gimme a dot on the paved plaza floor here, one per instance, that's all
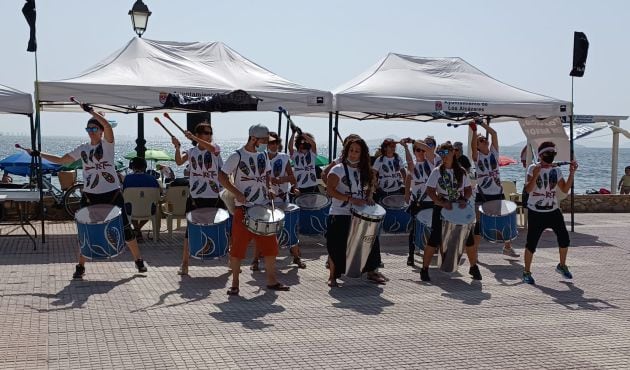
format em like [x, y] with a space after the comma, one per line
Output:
[116, 318]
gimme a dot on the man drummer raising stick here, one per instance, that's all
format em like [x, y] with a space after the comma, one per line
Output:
[251, 169]
[485, 155]
[102, 185]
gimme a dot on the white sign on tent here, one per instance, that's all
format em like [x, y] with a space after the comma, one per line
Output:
[550, 129]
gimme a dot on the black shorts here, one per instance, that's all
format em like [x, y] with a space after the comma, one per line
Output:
[195, 203]
[115, 198]
[309, 190]
[481, 199]
[436, 230]
[537, 222]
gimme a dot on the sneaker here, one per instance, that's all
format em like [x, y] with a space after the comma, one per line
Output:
[528, 278]
[410, 261]
[474, 271]
[183, 270]
[140, 265]
[510, 252]
[564, 271]
[79, 272]
[424, 274]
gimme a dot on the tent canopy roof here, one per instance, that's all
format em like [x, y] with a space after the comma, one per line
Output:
[135, 77]
[409, 87]
[15, 101]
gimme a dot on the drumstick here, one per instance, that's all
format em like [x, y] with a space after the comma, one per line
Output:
[273, 210]
[157, 120]
[338, 135]
[20, 146]
[175, 123]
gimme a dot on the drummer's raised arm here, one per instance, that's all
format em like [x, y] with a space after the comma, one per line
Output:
[408, 156]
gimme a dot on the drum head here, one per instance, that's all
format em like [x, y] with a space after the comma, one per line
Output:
[312, 201]
[425, 217]
[265, 214]
[287, 207]
[394, 201]
[498, 208]
[375, 211]
[459, 216]
[207, 216]
[97, 214]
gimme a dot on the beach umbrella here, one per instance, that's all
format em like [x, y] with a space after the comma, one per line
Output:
[152, 155]
[20, 164]
[321, 161]
[506, 161]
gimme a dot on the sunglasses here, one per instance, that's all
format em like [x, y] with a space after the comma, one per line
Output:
[442, 152]
[418, 150]
[205, 133]
[91, 129]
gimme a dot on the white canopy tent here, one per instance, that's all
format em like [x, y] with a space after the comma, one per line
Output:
[138, 77]
[15, 101]
[416, 88]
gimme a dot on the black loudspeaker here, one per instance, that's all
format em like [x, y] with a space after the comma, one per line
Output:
[580, 51]
[193, 119]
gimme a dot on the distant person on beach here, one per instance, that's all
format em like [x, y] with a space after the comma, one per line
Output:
[6, 179]
[544, 179]
[102, 185]
[166, 173]
[303, 151]
[624, 183]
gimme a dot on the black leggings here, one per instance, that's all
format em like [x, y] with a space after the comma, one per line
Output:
[337, 244]
[537, 222]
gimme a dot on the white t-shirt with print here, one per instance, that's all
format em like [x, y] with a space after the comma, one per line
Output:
[446, 185]
[204, 170]
[543, 197]
[389, 176]
[279, 165]
[250, 171]
[99, 168]
[487, 170]
[351, 186]
[304, 168]
[419, 176]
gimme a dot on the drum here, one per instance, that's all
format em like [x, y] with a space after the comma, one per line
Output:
[498, 221]
[313, 213]
[423, 228]
[288, 235]
[261, 220]
[208, 233]
[397, 220]
[364, 229]
[457, 224]
[101, 231]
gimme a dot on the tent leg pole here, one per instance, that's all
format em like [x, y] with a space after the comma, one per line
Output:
[336, 129]
[286, 135]
[330, 136]
[279, 124]
[614, 159]
[572, 156]
[140, 142]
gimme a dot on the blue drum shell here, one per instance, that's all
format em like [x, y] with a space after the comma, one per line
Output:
[100, 231]
[208, 233]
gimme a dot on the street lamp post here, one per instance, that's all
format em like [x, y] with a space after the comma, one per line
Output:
[139, 19]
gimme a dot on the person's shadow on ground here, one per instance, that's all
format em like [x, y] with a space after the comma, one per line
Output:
[362, 298]
[506, 275]
[191, 289]
[248, 312]
[76, 293]
[573, 299]
[468, 293]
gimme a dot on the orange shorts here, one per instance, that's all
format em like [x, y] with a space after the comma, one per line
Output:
[241, 236]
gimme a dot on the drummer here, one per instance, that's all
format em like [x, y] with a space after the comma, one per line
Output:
[389, 170]
[282, 184]
[485, 155]
[349, 183]
[448, 187]
[303, 151]
[205, 163]
[337, 160]
[102, 185]
[251, 186]
[419, 168]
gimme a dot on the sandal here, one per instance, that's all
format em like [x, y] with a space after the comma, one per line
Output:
[376, 278]
[299, 262]
[279, 287]
[333, 283]
[233, 291]
[254, 266]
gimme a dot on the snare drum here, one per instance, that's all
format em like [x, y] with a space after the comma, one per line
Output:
[208, 233]
[314, 210]
[288, 236]
[423, 228]
[364, 229]
[498, 221]
[397, 220]
[262, 220]
[457, 224]
[101, 231]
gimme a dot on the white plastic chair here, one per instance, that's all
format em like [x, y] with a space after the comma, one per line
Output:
[512, 194]
[174, 206]
[143, 204]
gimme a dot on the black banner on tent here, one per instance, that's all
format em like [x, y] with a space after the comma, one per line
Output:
[237, 100]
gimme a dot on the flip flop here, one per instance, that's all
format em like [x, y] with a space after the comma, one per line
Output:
[376, 278]
[278, 287]
[233, 291]
[299, 262]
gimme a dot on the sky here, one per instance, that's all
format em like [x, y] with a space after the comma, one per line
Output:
[324, 43]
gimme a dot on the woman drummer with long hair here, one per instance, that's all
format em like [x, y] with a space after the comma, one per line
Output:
[350, 183]
[448, 187]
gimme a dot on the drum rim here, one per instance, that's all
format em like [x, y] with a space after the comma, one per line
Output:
[328, 201]
[402, 206]
[472, 221]
[366, 217]
[99, 222]
[500, 201]
[189, 215]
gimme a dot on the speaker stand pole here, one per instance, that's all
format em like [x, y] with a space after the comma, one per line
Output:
[572, 157]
